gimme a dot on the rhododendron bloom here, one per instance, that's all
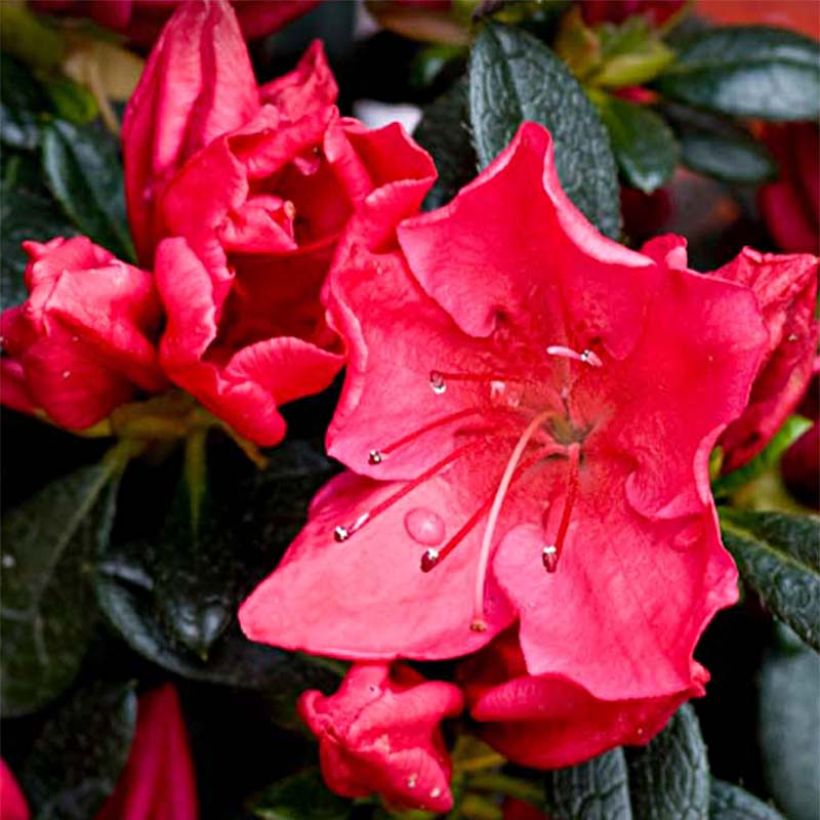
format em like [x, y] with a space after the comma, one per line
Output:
[786, 290]
[158, 780]
[84, 340]
[13, 804]
[540, 404]
[380, 734]
[548, 721]
[242, 267]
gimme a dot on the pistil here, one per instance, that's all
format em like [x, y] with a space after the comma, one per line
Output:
[552, 552]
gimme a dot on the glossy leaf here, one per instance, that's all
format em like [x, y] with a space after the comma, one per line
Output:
[514, 77]
[666, 780]
[80, 753]
[48, 607]
[444, 131]
[790, 731]
[83, 170]
[645, 147]
[751, 71]
[778, 556]
[22, 101]
[728, 802]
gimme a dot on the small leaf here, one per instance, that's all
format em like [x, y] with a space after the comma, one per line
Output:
[299, 796]
[71, 101]
[645, 147]
[48, 603]
[790, 731]
[728, 802]
[514, 77]
[174, 599]
[444, 131]
[83, 170]
[632, 54]
[80, 753]
[778, 556]
[666, 780]
[752, 71]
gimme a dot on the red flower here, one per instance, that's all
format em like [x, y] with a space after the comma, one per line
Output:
[13, 805]
[791, 205]
[380, 733]
[241, 271]
[83, 341]
[548, 721]
[616, 11]
[158, 780]
[528, 391]
[786, 291]
[141, 20]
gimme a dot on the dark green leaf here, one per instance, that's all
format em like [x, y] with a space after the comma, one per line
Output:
[299, 796]
[666, 780]
[83, 170]
[514, 77]
[728, 802]
[751, 71]
[444, 131]
[22, 102]
[48, 601]
[77, 759]
[778, 556]
[790, 732]
[173, 599]
[645, 147]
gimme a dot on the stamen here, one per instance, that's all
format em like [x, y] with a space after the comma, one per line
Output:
[478, 623]
[586, 357]
[552, 552]
[343, 532]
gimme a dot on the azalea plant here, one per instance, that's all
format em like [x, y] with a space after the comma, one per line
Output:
[410, 409]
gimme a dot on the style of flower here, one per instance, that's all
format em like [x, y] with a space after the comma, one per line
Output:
[548, 721]
[158, 780]
[380, 734]
[84, 341]
[240, 264]
[522, 395]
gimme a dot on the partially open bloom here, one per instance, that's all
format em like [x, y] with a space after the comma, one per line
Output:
[240, 264]
[530, 408]
[13, 804]
[141, 20]
[84, 341]
[380, 734]
[158, 780]
[548, 721]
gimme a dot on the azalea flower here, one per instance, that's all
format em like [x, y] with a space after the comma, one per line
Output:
[530, 409]
[380, 734]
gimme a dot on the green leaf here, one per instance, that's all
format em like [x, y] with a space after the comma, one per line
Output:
[778, 556]
[83, 170]
[444, 131]
[790, 732]
[768, 459]
[22, 102]
[632, 54]
[666, 780]
[71, 101]
[730, 155]
[80, 753]
[299, 796]
[645, 147]
[728, 802]
[514, 77]
[173, 598]
[751, 71]
[48, 607]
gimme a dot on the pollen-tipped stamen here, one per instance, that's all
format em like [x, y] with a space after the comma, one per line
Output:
[552, 552]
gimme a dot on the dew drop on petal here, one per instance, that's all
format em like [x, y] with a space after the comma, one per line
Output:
[437, 383]
[412, 781]
[424, 526]
[375, 457]
[436, 792]
[66, 373]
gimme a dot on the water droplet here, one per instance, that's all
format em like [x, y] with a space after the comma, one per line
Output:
[375, 457]
[429, 559]
[549, 557]
[505, 393]
[341, 534]
[424, 526]
[436, 792]
[437, 383]
[66, 374]
[687, 537]
[412, 781]
[8, 561]
[792, 337]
